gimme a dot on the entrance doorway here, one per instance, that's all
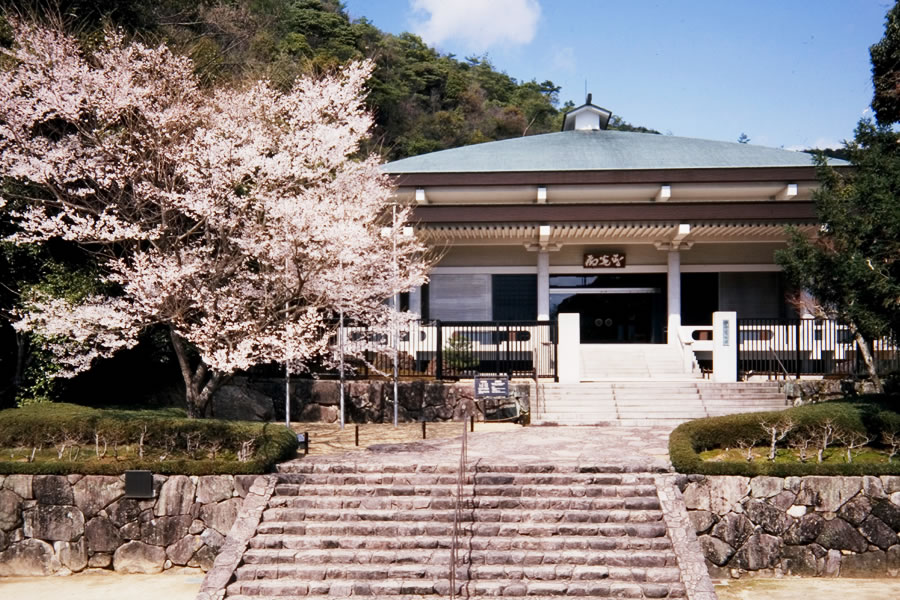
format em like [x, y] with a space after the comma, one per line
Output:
[614, 309]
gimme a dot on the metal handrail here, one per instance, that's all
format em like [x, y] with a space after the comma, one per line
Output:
[457, 514]
[780, 364]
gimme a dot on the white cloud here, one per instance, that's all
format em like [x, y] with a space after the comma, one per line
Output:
[563, 60]
[478, 24]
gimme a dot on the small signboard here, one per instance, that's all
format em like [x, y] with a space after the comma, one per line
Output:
[491, 387]
[138, 484]
[614, 260]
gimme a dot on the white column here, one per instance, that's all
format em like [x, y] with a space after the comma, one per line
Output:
[569, 349]
[674, 296]
[543, 285]
[725, 341]
[415, 300]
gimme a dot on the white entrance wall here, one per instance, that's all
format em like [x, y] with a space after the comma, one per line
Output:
[568, 352]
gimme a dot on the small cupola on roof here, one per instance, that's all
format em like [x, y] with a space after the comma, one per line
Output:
[588, 117]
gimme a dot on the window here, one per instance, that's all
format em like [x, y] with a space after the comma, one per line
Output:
[514, 297]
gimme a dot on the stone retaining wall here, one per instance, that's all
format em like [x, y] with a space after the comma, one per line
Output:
[813, 391]
[809, 526]
[262, 399]
[61, 524]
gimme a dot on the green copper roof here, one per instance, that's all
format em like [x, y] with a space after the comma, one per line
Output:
[599, 150]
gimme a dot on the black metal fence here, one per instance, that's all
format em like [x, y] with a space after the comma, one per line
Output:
[457, 349]
[795, 347]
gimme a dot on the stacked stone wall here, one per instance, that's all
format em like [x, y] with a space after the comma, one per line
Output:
[55, 524]
[806, 526]
[262, 399]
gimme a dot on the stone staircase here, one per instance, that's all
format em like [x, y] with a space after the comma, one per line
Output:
[334, 530]
[650, 402]
[623, 362]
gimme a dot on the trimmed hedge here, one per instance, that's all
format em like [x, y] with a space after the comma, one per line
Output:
[868, 416]
[43, 425]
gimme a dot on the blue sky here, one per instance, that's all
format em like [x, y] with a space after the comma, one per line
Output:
[791, 73]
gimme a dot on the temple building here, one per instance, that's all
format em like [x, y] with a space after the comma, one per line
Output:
[640, 234]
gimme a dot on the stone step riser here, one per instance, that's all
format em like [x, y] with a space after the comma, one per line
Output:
[477, 503]
[432, 529]
[479, 479]
[292, 515]
[647, 558]
[480, 467]
[669, 423]
[572, 490]
[498, 543]
[466, 589]
[480, 574]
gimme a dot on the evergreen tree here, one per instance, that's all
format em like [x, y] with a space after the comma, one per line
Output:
[852, 267]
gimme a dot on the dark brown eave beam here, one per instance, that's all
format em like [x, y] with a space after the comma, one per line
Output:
[660, 176]
[778, 211]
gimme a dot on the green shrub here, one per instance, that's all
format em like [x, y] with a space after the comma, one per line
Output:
[171, 443]
[868, 416]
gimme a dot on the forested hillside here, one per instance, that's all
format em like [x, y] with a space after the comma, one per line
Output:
[423, 100]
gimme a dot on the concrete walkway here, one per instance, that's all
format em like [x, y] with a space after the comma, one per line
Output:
[633, 447]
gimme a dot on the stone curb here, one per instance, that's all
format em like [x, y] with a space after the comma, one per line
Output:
[229, 557]
[691, 561]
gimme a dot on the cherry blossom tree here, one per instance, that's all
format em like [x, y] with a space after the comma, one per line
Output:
[241, 219]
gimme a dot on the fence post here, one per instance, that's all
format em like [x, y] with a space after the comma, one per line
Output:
[554, 333]
[798, 354]
[439, 353]
[497, 343]
[509, 342]
[737, 351]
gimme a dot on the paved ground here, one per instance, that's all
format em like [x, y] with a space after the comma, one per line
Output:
[329, 438]
[818, 588]
[104, 585]
[611, 445]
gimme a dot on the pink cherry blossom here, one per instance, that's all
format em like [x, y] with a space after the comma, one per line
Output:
[239, 218]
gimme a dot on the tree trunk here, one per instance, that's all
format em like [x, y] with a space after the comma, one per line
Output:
[199, 383]
[868, 359]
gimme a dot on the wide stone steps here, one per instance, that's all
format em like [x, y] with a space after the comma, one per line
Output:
[572, 490]
[416, 590]
[433, 572]
[442, 516]
[437, 529]
[504, 543]
[654, 402]
[477, 503]
[612, 558]
[387, 531]
[405, 480]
